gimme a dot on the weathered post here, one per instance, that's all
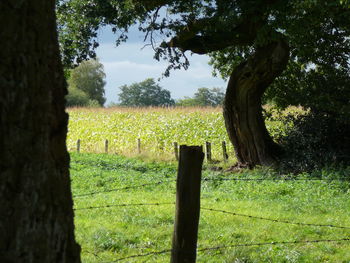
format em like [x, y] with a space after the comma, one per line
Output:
[224, 151]
[139, 145]
[176, 151]
[185, 235]
[106, 146]
[208, 151]
[78, 145]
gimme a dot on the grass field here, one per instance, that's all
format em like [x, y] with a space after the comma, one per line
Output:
[157, 128]
[107, 234]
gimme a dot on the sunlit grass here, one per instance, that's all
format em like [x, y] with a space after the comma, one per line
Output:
[107, 234]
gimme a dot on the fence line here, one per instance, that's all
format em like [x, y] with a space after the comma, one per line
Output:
[175, 144]
[203, 179]
[122, 188]
[237, 245]
[122, 205]
[220, 211]
[277, 179]
[274, 243]
[141, 255]
[228, 246]
[273, 220]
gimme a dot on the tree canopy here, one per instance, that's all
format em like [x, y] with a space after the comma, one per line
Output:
[145, 93]
[86, 84]
[316, 30]
[257, 44]
[319, 67]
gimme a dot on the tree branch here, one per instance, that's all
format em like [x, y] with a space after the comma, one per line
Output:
[200, 37]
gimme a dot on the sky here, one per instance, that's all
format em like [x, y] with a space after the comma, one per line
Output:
[130, 63]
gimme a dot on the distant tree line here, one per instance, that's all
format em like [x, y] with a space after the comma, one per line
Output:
[204, 97]
[86, 89]
[149, 93]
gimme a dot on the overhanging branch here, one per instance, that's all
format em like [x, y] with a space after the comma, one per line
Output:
[202, 37]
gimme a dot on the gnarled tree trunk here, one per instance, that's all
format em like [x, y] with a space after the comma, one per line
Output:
[36, 214]
[242, 105]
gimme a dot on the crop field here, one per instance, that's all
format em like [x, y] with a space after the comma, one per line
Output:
[124, 212]
[157, 128]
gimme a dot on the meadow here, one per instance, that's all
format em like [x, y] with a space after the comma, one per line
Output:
[157, 128]
[124, 207]
[124, 211]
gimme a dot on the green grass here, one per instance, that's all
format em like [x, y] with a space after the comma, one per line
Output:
[107, 234]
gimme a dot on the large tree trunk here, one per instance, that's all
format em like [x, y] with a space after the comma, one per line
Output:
[36, 215]
[242, 105]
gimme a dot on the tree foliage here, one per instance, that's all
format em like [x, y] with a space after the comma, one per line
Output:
[204, 97]
[319, 67]
[145, 93]
[86, 84]
[76, 97]
[252, 42]
[322, 89]
[317, 32]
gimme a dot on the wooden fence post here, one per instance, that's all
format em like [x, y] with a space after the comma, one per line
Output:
[184, 245]
[139, 145]
[224, 151]
[106, 146]
[208, 151]
[78, 145]
[176, 151]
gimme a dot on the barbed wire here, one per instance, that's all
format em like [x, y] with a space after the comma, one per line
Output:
[141, 255]
[273, 243]
[122, 205]
[122, 188]
[233, 246]
[220, 211]
[204, 179]
[274, 220]
[276, 179]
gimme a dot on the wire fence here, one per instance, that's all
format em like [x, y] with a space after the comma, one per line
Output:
[291, 179]
[273, 243]
[227, 246]
[121, 205]
[210, 180]
[218, 211]
[122, 188]
[274, 220]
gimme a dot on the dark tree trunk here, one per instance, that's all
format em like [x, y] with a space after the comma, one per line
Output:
[36, 215]
[242, 105]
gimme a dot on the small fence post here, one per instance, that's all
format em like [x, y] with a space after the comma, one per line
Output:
[176, 151]
[106, 146]
[184, 245]
[78, 145]
[139, 145]
[224, 151]
[208, 151]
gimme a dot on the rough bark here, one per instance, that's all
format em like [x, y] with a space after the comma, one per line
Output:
[242, 105]
[36, 215]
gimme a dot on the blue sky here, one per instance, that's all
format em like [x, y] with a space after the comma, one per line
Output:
[127, 64]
